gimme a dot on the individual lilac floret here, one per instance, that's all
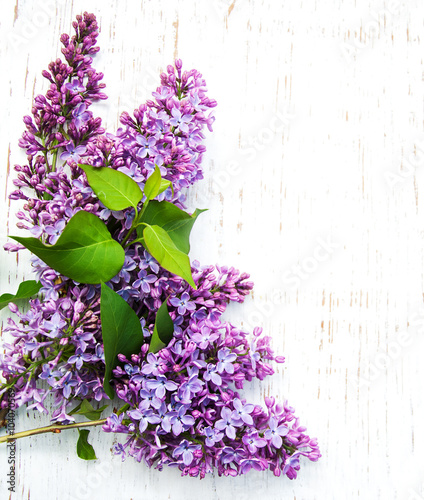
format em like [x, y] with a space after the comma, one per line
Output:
[228, 423]
[225, 360]
[183, 303]
[185, 449]
[81, 115]
[243, 411]
[276, 432]
[73, 152]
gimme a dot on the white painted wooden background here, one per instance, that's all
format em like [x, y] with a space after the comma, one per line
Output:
[316, 142]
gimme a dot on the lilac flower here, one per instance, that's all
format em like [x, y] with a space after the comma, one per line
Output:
[144, 417]
[179, 420]
[49, 375]
[114, 423]
[183, 303]
[147, 146]
[228, 423]
[150, 396]
[79, 358]
[162, 95]
[211, 374]
[226, 359]
[133, 171]
[73, 152]
[34, 347]
[243, 411]
[276, 432]
[149, 261]
[81, 115]
[153, 365]
[124, 273]
[179, 120]
[254, 354]
[253, 442]
[144, 280]
[160, 385]
[75, 86]
[212, 436]
[290, 464]
[66, 383]
[186, 450]
[249, 463]
[55, 231]
[38, 404]
[165, 417]
[229, 455]
[190, 387]
[54, 325]
[205, 337]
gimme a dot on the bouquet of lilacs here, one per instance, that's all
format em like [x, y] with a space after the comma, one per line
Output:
[120, 312]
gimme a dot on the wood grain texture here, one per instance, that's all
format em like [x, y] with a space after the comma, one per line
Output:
[314, 180]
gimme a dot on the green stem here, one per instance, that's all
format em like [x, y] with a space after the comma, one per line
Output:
[57, 429]
[135, 222]
[54, 160]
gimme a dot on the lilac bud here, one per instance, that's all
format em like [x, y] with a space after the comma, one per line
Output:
[13, 307]
[279, 408]
[135, 358]
[226, 397]
[257, 410]
[269, 401]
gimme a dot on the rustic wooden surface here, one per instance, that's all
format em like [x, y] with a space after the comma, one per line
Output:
[315, 185]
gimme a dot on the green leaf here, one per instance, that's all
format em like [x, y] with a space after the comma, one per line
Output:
[26, 290]
[84, 448]
[153, 184]
[164, 329]
[121, 331]
[85, 408]
[164, 185]
[164, 250]
[85, 251]
[114, 189]
[176, 222]
[179, 230]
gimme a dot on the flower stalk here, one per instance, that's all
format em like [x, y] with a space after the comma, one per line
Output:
[56, 429]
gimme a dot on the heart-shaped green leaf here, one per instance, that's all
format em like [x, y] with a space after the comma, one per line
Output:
[25, 290]
[164, 250]
[179, 230]
[177, 223]
[84, 448]
[85, 251]
[114, 189]
[121, 331]
[163, 331]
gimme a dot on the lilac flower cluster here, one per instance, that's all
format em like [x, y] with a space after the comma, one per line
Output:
[59, 342]
[184, 408]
